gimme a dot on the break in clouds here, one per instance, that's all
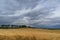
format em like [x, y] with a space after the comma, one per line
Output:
[37, 13]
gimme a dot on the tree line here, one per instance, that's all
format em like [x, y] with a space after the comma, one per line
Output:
[13, 26]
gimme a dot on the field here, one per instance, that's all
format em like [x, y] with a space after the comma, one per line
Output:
[29, 34]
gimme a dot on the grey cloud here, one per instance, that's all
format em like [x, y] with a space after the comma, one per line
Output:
[29, 12]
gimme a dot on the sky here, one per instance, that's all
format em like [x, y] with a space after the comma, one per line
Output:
[36, 13]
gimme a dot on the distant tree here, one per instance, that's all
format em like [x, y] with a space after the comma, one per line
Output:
[24, 26]
[16, 26]
[2, 26]
[13, 26]
[29, 27]
[20, 26]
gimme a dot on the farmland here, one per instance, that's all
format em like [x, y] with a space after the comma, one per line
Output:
[29, 34]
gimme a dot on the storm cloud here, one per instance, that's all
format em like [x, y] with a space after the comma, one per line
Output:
[42, 13]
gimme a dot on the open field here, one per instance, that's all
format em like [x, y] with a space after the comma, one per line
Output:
[29, 34]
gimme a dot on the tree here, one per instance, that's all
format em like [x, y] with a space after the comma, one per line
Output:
[29, 27]
[24, 26]
[13, 26]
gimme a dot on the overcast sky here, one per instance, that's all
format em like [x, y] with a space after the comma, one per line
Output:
[42, 13]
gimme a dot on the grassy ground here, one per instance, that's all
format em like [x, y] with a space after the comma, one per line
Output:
[29, 34]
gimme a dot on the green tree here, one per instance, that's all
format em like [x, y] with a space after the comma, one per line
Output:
[24, 26]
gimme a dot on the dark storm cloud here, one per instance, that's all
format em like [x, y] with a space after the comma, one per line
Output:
[30, 12]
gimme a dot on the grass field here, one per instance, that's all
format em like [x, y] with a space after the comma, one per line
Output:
[29, 34]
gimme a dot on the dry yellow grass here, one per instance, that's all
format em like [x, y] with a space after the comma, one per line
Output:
[29, 34]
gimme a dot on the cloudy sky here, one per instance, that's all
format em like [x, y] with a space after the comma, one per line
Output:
[38, 13]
